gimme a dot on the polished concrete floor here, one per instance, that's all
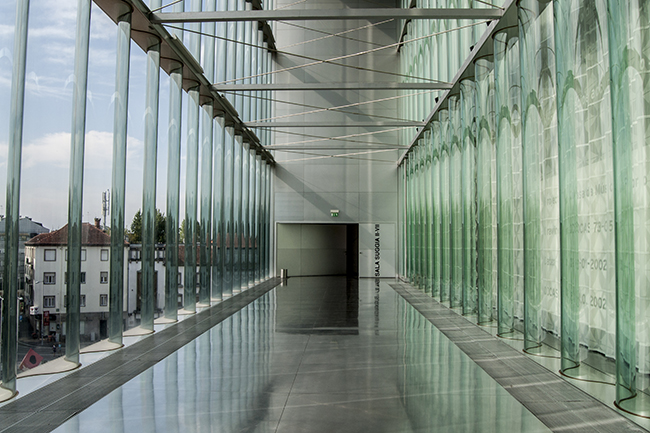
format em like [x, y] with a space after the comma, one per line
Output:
[313, 355]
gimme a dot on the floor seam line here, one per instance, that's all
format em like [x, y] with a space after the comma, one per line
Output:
[293, 382]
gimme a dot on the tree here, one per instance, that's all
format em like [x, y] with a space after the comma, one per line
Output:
[182, 229]
[135, 232]
[160, 233]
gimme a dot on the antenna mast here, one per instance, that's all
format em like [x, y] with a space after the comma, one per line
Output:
[106, 199]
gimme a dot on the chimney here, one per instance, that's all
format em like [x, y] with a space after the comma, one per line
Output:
[97, 221]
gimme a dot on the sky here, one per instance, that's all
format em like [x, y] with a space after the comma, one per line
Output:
[48, 115]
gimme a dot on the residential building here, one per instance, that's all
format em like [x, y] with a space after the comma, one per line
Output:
[134, 287]
[46, 264]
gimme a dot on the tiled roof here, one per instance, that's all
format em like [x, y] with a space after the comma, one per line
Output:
[90, 236]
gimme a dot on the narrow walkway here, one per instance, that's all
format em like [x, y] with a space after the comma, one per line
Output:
[555, 401]
[47, 408]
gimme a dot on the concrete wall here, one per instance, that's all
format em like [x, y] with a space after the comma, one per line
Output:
[362, 187]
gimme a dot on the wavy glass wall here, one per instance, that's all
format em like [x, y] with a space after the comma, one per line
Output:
[534, 204]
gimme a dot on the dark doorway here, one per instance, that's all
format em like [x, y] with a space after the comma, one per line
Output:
[318, 249]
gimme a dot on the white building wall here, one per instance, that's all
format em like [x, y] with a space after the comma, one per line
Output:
[93, 288]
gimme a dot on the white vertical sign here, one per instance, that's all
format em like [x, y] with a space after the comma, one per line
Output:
[376, 250]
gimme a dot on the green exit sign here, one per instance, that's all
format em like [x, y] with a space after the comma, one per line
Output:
[334, 212]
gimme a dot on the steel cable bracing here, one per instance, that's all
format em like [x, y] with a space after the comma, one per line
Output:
[490, 4]
[302, 134]
[354, 104]
[316, 108]
[335, 109]
[167, 5]
[341, 155]
[290, 4]
[316, 61]
[360, 134]
[331, 35]
[333, 60]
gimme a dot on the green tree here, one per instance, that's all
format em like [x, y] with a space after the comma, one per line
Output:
[161, 237]
[134, 233]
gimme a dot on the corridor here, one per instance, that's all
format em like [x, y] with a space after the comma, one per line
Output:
[313, 355]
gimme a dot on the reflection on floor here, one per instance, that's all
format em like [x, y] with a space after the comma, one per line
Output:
[314, 355]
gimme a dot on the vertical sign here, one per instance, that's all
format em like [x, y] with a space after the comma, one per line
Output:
[376, 250]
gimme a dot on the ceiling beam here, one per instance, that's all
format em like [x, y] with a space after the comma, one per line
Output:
[342, 124]
[327, 14]
[331, 86]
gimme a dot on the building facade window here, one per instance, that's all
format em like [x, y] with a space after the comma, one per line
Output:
[103, 300]
[103, 255]
[49, 255]
[82, 301]
[103, 277]
[49, 301]
[49, 277]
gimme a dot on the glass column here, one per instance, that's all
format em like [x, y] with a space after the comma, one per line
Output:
[630, 73]
[417, 220]
[229, 143]
[437, 208]
[428, 219]
[173, 191]
[258, 214]
[506, 60]
[207, 142]
[218, 246]
[588, 278]
[237, 213]
[267, 222]
[75, 194]
[409, 219]
[191, 199]
[468, 119]
[204, 238]
[539, 138]
[445, 206]
[9, 338]
[484, 72]
[455, 199]
[261, 237]
[192, 172]
[245, 230]
[250, 239]
[116, 281]
[148, 300]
